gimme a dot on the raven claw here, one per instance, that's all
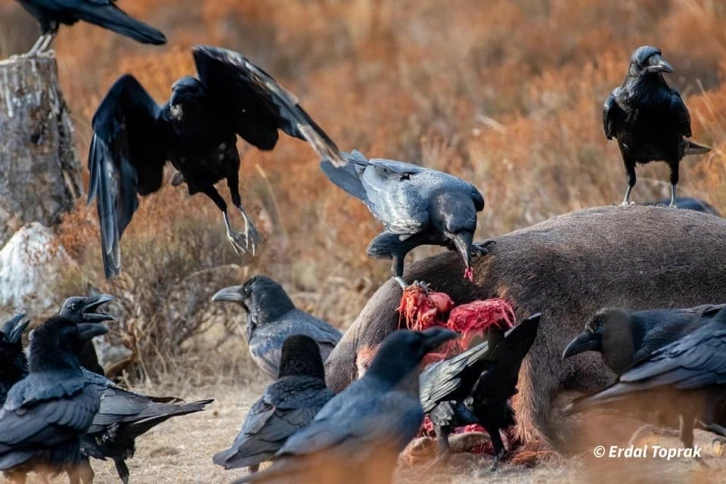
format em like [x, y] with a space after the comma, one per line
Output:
[478, 250]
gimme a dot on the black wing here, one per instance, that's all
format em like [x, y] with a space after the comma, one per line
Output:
[126, 158]
[257, 105]
[682, 116]
[609, 113]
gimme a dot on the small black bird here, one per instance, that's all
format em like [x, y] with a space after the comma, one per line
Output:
[285, 407]
[685, 379]
[197, 131]
[104, 13]
[82, 309]
[272, 318]
[358, 435]
[13, 362]
[123, 416]
[46, 414]
[649, 119]
[417, 206]
[623, 337]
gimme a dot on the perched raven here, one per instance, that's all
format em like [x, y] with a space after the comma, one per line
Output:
[46, 413]
[13, 362]
[285, 407]
[82, 309]
[358, 434]
[685, 379]
[417, 206]
[690, 203]
[123, 416]
[272, 318]
[623, 337]
[649, 119]
[104, 13]
[197, 131]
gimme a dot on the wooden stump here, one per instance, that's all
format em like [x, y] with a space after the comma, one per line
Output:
[40, 177]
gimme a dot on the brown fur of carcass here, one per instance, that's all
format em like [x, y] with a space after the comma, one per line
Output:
[566, 268]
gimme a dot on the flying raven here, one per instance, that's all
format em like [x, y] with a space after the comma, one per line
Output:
[13, 362]
[417, 206]
[46, 413]
[197, 131]
[286, 406]
[649, 119]
[272, 318]
[82, 309]
[104, 13]
[358, 435]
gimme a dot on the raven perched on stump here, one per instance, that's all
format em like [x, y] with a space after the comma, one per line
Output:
[104, 13]
[649, 119]
[197, 131]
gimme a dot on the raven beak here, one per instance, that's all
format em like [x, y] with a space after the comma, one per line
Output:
[19, 324]
[587, 341]
[434, 337]
[88, 331]
[656, 63]
[463, 241]
[233, 293]
[93, 303]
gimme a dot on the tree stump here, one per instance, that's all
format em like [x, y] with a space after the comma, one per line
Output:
[40, 177]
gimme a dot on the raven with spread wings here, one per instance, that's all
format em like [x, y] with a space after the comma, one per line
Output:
[196, 130]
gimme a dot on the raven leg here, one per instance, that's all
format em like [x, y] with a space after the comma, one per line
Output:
[122, 469]
[236, 239]
[48, 38]
[252, 235]
[674, 182]
[498, 446]
[630, 174]
[686, 435]
[479, 250]
[34, 50]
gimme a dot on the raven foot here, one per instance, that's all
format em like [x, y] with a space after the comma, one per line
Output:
[252, 235]
[627, 203]
[497, 458]
[478, 250]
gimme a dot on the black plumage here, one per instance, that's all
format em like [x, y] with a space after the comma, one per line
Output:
[272, 318]
[104, 13]
[649, 119]
[417, 206]
[357, 436]
[46, 413]
[286, 406]
[13, 362]
[196, 130]
[123, 416]
[684, 380]
[622, 337]
[82, 309]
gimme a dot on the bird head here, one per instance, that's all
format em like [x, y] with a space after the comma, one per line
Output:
[183, 91]
[401, 352]
[13, 363]
[456, 212]
[604, 333]
[82, 309]
[56, 343]
[300, 355]
[648, 60]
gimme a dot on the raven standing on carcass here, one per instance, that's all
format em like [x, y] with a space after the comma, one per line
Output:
[417, 205]
[197, 131]
[649, 119]
[104, 13]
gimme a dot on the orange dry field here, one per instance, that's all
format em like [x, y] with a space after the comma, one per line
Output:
[504, 93]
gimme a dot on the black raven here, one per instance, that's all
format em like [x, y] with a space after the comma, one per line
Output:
[685, 379]
[197, 131]
[690, 203]
[123, 416]
[358, 434]
[649, 119]
[46, 413]
[285, 407]
[13, 362]
[417, 206]
[623, 337]
[82, 309]
[104, 13]
[272, 318]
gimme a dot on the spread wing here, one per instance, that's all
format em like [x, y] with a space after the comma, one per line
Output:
[256, 104]
[609, 114]
[442, 378]
[127, 156]
[387, 189]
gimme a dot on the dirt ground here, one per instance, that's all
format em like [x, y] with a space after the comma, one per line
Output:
[180, 451]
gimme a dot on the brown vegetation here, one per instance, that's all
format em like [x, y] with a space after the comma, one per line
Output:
[504, 93]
